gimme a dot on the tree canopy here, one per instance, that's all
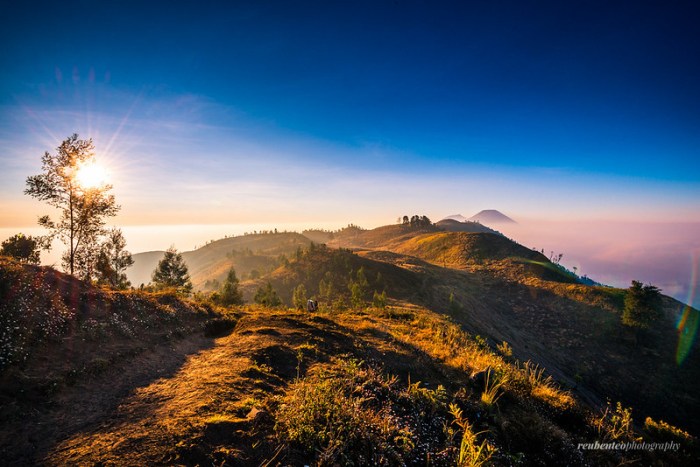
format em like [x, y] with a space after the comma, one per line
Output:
[172, 272]
[82, 208]
[416, 221]
[113, 260]
[24, 248]
[266, 295]
[230, 293]
[642, 305]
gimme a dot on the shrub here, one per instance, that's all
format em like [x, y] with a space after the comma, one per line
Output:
[505, 349]
[616, 425]
[323, 417]
[662, 431]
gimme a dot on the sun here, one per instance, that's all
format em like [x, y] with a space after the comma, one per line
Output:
[91, 175]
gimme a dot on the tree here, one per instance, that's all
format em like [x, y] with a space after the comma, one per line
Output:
[379, 299]
[85, 261]
[325, 286]
[358, 288]
[299, 297]
[642, 305]
[267, 296]
[24, 248]
[171, 272]
[113, 260]
[230, 293]
[83, 209]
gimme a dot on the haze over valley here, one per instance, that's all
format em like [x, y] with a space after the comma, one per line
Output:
[349, 233]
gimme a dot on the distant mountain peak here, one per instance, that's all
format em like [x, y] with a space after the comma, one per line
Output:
[492, 216]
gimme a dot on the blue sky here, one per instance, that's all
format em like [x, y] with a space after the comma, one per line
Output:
[360, 111]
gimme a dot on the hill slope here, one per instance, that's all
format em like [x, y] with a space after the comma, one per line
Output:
[255, 253]
[452, 225]
[507, 292]
[395, 386]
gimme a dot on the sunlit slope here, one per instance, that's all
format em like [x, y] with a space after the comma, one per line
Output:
[337, 268]
[452, 225]
[149, 379]
[384, 237]
[507, 292]
[247, 253]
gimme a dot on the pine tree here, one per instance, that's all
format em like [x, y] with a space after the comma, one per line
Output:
[325, 287]
[267, 296]
[358, 288]
[171, 272]
[379, 299]
[230, 293]
[642, 305]
[299, 297]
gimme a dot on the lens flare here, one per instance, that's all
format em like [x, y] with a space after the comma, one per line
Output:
[690, 319]
[91, 175]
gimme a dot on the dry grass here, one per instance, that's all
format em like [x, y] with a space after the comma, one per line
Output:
[274, 390]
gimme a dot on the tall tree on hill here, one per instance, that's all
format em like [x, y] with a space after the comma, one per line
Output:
[642, 305]
[24, 248]
[171, 272]
[82, 208]
[230, 293]
[113, 260]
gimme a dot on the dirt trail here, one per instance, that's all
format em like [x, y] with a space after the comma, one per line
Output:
[85, 403]
[184, 417]
[156, 415]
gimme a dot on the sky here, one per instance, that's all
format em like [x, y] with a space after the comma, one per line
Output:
[325, 113]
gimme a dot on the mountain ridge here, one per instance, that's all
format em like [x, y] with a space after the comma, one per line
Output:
[491, 216]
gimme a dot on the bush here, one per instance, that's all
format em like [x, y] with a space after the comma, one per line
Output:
[323, 418]
[23, 248]
[352, 414]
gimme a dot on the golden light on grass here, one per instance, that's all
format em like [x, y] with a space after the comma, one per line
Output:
[92, 175]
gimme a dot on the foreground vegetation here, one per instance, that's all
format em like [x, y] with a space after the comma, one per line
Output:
[97, 376]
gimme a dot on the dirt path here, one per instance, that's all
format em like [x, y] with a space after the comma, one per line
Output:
[198, 403]
[84, 404]
[204, 403]
[157, 414]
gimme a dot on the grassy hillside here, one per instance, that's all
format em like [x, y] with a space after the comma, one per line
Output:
[401, 385]
[60, 337]
[452, 225]
[506, 292]
[382, 237]
[255, 253]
